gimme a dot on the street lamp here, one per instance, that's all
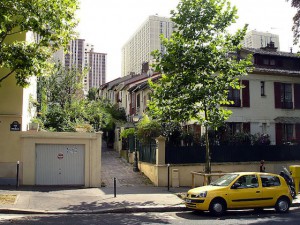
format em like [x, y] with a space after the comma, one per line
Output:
[135, 119]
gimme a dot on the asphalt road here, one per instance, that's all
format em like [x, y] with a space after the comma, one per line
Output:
[266, 217]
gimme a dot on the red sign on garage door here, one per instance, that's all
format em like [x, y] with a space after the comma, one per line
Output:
[60, 155]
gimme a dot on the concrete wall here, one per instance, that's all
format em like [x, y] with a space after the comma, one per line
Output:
[91, 141]
[180, 174]
[158, 174]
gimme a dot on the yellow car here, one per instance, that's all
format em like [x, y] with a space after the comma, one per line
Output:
[241, 191]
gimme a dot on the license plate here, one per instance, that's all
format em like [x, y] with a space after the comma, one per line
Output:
[188, 200]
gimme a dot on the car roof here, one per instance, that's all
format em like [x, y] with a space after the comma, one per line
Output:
[251, 173]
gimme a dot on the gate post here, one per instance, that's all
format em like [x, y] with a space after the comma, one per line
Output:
[160, 150]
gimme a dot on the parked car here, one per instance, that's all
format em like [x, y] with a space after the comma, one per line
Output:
[241, 191]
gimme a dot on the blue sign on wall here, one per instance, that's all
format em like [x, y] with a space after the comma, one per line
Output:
[15, 126]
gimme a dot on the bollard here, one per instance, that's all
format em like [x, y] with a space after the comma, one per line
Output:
[115, 187]
[17, 178]
[168, 177]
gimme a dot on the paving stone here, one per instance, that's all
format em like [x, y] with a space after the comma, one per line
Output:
[113, 165]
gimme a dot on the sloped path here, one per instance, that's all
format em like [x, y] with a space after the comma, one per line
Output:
[113, 165]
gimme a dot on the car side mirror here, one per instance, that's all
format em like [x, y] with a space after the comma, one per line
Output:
[235, 185]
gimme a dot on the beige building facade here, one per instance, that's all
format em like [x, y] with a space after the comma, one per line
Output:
[137, 50]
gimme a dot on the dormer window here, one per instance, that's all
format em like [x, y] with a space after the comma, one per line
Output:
[269, 62]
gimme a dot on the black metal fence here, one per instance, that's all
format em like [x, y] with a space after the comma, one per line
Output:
[196, 154]
[147, 152]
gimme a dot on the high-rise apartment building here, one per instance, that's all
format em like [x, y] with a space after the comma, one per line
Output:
[97, 68]
[257, 39]
[137, 50]
[81, 55]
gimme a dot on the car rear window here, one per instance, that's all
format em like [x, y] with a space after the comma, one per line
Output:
[270, 181]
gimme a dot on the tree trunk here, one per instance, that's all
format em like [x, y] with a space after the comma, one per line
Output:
[207, 156]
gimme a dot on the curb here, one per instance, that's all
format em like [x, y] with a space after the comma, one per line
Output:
[133, 209]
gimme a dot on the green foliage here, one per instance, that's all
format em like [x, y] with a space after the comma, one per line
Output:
[93, 94]
[296, 20]
[52, 20]
[64, 108]
[127, 132]
[148, 129]
[199, 66]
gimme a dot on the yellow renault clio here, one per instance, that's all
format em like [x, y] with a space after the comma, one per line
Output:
[241, 191]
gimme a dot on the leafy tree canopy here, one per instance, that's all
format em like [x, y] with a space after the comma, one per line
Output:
[52, 21]
[296, 19]
[198, 67]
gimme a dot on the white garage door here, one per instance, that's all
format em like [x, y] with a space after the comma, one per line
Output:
[59, 164]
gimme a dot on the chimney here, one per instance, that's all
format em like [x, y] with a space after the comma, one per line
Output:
[270, 47]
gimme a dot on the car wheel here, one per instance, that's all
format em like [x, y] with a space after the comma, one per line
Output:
[217, 207]
[282, 205]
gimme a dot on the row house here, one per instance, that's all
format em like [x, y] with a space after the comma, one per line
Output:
[129, 92]
[269, 103]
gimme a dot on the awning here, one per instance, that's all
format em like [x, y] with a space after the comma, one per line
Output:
[283, 119]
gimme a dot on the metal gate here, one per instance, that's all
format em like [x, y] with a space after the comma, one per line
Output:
[59, 164]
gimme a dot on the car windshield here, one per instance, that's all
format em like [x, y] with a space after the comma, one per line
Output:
[224, 180]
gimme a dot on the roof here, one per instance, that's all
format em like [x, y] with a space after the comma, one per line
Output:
[273, 53]
[258, 69]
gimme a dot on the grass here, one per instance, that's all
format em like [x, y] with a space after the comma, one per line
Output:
[7, 199]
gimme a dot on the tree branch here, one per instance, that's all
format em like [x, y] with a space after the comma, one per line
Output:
[6, 76]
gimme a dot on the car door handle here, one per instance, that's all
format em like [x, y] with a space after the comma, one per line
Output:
[257, 191]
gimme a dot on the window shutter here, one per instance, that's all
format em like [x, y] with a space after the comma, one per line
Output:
[246, 94]
[278, 129]
[297, 96]
[297, 132]
[277, 94]
[246, 127]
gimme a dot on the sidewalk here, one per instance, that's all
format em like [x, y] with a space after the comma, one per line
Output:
[42, 200]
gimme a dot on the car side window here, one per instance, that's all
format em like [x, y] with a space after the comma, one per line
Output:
[247, 181]
[270, 181]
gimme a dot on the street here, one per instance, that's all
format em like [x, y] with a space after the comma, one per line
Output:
[265, 217]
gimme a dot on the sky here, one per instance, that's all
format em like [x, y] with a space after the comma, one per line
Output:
[108, 24]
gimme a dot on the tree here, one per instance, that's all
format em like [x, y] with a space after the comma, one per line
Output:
[52, 21]
[93, 93]
[199, 66]
[296, 19]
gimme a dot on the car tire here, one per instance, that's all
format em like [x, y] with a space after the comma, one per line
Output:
[217, 207]
[282, 205]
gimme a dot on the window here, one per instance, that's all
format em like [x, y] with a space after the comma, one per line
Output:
[247, 181]
[288, 131]
[234, 128]
[234, 95]
[138, 100]
[286, 96]
[262, 88]
[269, 181]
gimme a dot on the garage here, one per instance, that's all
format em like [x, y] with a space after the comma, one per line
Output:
[60, 164]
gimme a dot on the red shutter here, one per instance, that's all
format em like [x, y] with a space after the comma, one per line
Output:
[297, 96]
[277, 94]
[246, 127]
[246, 94]
[278, 127]
[297, 132]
